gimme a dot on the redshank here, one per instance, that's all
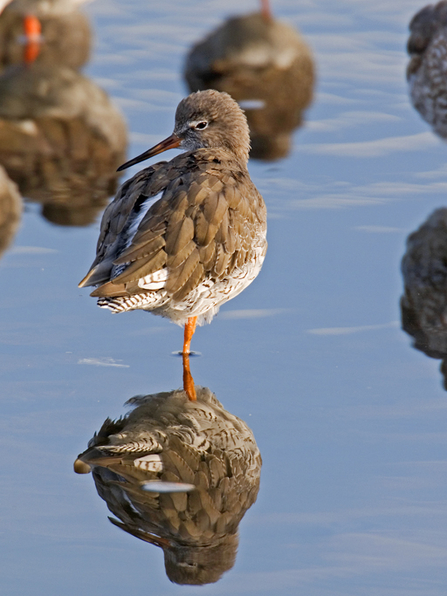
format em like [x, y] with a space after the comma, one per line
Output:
[183, 237]
[427, 69]
[61, 140]
[266, 66]
[50, 31]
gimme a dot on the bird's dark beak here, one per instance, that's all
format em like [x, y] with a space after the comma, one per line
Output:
[170, 143]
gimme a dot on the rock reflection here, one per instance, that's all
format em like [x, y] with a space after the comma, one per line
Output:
[267, 67]
[10, 210]
[211, 457]
[61, 138]
[427, 69]
[424, 303]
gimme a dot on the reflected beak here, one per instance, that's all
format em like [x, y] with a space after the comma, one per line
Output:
[170, 143]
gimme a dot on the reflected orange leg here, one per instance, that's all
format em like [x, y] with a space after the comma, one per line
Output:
[265, 10]
[188, 381]
[190, 327]
[31, 51]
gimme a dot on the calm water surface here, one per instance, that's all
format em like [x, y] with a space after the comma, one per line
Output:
[349, 418]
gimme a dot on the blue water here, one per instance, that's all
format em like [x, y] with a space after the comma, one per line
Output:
[350, 419]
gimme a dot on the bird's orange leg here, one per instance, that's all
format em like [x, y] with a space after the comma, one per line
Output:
[265, 10]
[188, 381]
[32, 30]
[190, 327]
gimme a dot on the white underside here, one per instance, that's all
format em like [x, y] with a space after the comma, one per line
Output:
[203, 302]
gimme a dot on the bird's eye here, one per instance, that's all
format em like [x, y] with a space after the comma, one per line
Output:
[201, 125]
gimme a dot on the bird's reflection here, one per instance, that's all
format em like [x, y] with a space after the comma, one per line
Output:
[424, 302]
[427, 69]
[267, 67]
[10, 210]
[178, 474]
[61, 138]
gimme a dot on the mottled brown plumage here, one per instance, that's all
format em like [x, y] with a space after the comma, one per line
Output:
[183, 237]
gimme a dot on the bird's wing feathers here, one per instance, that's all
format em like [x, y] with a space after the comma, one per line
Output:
[196, 230]
[116, 217]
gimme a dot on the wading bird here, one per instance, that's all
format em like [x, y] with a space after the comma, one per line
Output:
[183, 237]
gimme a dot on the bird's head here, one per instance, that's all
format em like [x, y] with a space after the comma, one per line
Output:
[205, 119]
